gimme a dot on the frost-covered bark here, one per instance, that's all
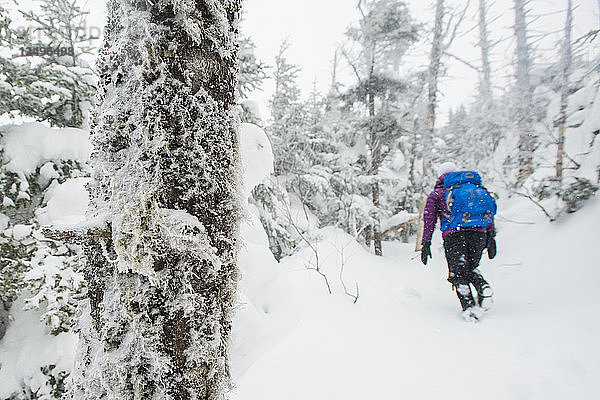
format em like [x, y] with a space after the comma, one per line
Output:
[161, 257]
[564, 92]
[524, 102]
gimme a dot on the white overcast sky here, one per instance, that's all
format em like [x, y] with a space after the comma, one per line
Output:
[316, 27]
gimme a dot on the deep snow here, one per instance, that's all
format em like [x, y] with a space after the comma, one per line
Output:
[404, 337]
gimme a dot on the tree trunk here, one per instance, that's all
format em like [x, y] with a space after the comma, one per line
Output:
[435, 60]
[375, 161]
[377, 227]
[421, 225]
[485, 85]
[525, 97]
[161, 271]
[564, 93]
[433, 75]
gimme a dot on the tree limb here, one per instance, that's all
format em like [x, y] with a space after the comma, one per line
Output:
[537, 203]
[468, 64]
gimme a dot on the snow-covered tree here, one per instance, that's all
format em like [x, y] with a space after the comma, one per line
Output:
[287, 114]
[385, 32]
[304, 159]
[485, 76]
[161, 251]
[435, 64]
[524, 101]
[36, 272]
[48, 75]
[253, 72]
[566, 57]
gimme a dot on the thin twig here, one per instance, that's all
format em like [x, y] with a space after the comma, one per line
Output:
[342, 264]
[517, 264]
[468, 64]
[537, 203]
[316, 267]
[501, 218]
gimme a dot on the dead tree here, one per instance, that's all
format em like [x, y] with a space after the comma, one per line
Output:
[564, 92]
[524, 100]
[485, 81]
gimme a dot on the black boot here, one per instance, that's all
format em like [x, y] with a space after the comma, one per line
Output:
[483, 289]
[484, 297]
[463, 291]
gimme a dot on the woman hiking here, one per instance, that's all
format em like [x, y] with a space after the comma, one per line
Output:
[466, 213]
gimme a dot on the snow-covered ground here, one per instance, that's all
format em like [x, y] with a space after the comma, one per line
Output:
[404, 338]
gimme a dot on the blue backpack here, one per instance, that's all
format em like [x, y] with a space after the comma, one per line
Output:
[469, 203]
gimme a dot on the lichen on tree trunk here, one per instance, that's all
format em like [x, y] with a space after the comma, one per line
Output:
[162, 278]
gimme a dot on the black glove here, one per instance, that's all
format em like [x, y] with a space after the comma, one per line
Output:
[491, 245]
[425, 252]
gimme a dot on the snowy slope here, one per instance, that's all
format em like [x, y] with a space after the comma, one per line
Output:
[404, 338]
[266, 308]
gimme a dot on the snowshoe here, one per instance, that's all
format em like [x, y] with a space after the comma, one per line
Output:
[472, 314]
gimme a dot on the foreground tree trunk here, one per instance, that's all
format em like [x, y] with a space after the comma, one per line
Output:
[161, 256]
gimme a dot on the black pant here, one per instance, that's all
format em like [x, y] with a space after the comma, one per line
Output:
[463, 253]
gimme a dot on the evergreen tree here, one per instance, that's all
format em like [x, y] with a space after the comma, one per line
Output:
[42, 273]
[304, 159]
[253, 71]
[59, 84]
[288, 116]
[161, 258]
[385, 32]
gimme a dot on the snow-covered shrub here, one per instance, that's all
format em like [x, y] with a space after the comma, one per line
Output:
[57, 87]
[40, 276]
[14, 263]
[54, 387]
[55, 280]
[577, 193]
[273, 204]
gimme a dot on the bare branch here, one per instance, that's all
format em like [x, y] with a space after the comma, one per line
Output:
[353, 66]
[468, 64]
[456, 26]
[342, 264]
[400, 226]
[537, 203]
[359, 6]
[317, 266]
[76, 237]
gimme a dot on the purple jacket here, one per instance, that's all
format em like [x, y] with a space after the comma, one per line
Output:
[436, 208]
